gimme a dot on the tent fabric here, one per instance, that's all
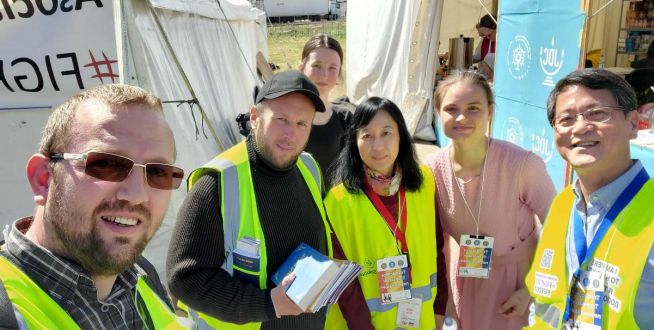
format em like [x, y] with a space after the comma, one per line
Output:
[221, 77]
[397, 59]
[222, 10]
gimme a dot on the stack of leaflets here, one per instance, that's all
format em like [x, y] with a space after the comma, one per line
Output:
[319, 280]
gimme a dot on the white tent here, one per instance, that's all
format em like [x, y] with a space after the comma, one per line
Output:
[393, 50]
[392, 53]
[215, 47]
[179, 50]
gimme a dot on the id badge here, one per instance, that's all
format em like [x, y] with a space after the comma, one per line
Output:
[393, 277]
[475, 256]
[588, 300]
[408, 313]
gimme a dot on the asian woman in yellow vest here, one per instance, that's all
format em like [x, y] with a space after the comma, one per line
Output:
[382, 211]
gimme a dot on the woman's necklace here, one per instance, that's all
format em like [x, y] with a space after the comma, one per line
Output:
[461, 189]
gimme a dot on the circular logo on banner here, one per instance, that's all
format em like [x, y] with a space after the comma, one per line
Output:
[485, 243]
[513, 131]
[476, 242]
[400, 263]
[519, 57]
[383, 265]
[468, 242]
[391, 264]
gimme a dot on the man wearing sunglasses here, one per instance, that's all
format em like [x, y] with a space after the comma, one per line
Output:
[101, 184]
[594, 265]
[246, 211]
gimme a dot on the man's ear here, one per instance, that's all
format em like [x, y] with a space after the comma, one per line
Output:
[38, 174]
[633, 117]
[253, 117]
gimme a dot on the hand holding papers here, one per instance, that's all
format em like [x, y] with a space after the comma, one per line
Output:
[283, 304]
[319, 280]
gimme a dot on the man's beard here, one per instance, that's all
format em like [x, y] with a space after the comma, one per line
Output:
[267, 154]
[88, 249]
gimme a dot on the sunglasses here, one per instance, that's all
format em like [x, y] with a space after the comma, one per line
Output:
[115, 168]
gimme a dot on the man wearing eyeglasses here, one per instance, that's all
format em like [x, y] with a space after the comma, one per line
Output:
[594, 265]
[247, 210]
[101, 182]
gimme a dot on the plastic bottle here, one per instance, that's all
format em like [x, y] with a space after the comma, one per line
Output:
[602, 62]
[450, 324]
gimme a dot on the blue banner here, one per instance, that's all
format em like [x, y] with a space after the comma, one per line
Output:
[645, 155]
[538, 44]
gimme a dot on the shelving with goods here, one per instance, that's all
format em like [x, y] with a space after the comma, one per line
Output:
[636, 28]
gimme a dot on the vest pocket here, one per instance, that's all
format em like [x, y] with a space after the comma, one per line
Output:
[250, 277]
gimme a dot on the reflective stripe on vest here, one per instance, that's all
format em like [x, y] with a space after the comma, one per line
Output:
[241, 218]
[631, 233]
[549, 314]
[231, 206]
[366, 238]
[312, 166]
[40, 311]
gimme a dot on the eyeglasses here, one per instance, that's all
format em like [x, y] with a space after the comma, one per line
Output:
[596, 115]
[115, 168]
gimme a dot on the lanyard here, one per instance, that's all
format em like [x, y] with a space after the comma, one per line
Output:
[584, 254]
[462, 189]
[398, 233]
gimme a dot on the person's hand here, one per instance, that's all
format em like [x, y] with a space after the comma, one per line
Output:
[516, 305]
[439, 320]
[283, 304]
[486, 70]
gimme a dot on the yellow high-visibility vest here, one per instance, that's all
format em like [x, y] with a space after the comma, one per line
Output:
[366, 238]
[624, 248]
[241, 217]
[40, 311]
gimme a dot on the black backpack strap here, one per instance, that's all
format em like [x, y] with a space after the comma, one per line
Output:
[7, 315]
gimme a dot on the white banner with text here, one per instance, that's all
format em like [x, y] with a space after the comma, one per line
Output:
[53, 49]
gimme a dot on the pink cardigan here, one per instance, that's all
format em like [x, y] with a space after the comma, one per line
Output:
[516, 189]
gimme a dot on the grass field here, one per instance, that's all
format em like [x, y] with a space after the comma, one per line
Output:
[285, 43]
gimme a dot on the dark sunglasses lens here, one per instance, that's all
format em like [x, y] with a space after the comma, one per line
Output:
[163, 176]
[108, 167]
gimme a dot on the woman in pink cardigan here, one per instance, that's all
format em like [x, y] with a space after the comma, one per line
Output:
[491, 196]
